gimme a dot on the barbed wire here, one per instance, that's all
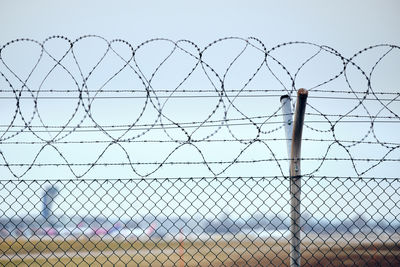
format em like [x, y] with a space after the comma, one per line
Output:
[348, 113]
[195, 96]
[186, 91]
[194, 141]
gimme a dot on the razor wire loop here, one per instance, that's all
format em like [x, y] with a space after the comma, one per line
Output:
[224, 101]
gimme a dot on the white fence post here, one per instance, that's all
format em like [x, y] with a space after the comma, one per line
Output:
[287, 121]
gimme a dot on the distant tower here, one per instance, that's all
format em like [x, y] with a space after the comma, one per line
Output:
[48, 198]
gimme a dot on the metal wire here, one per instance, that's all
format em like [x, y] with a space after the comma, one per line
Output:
[168, 154]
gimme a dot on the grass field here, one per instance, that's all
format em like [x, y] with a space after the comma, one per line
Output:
[222, 252]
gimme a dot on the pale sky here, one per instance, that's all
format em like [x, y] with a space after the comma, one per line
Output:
[345, 25]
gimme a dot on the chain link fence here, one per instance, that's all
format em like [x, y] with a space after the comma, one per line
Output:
[99, 166]
[200, 222]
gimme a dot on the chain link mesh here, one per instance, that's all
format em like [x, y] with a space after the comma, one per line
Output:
[200, 222]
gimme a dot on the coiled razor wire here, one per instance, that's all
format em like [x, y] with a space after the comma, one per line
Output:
[165, 153]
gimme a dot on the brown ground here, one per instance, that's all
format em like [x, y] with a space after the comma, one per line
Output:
[271, 252]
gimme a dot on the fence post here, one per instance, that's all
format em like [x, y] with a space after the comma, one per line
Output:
[287, 121]
[295, 173]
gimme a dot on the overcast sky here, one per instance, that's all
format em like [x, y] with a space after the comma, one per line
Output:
[342, 24]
